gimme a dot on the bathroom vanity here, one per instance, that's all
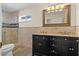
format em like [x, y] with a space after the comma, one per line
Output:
[53, 45]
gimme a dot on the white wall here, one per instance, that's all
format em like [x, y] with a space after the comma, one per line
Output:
[36, 13]
[0, 22]
[77, 14]
[73, 14]
[0, 26]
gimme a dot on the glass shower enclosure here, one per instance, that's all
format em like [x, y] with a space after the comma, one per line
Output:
[9, 29]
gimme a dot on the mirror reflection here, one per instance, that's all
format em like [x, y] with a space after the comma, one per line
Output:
[57, 15]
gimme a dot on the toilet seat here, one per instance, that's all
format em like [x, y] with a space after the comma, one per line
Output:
[7, 49]
[7, 46]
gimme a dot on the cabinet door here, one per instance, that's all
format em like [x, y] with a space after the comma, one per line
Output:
[69, 46]
[63, 46]
[40, 45]
[73, 46]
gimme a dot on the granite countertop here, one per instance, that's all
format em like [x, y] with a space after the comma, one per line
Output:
[51, 34]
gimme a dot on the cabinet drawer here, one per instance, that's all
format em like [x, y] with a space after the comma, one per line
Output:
[56, 40]
[73, 41]
[38, 54]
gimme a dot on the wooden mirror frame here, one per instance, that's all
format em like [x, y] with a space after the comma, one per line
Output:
[60, 24]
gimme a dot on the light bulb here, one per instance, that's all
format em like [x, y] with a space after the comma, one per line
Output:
[57, 7]
[52, 8]
[49, 8]
[62, 6]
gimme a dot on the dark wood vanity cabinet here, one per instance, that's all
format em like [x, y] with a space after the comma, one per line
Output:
[55, 45]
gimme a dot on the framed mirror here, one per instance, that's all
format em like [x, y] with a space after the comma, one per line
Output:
[57, 17]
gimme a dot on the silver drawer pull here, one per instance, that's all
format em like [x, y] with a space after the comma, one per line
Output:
[43, 37]
[53, 51]
[77, 40]
[65, 39]
[53, 38]
[71, 49]
[53, 45]
[39, 44]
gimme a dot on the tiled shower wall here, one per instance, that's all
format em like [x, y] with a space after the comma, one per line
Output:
[24, 44]
[9, 35]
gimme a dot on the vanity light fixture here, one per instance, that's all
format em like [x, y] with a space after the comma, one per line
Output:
[56, 7]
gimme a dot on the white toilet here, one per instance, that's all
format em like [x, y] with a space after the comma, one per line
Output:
[7, 49]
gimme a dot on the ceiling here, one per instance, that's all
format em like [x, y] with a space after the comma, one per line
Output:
[11, 7]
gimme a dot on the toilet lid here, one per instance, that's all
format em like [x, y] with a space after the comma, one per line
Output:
[7, 46]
